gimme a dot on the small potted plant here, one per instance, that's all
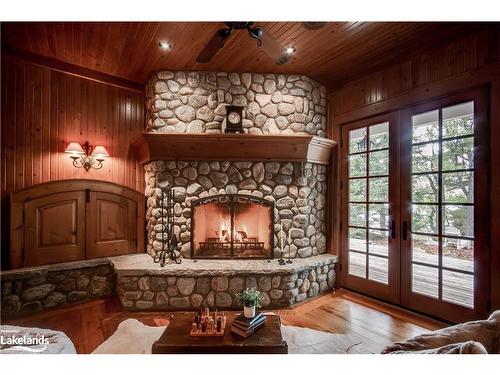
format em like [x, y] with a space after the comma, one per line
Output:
[250, 299]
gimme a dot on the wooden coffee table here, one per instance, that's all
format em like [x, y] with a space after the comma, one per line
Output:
[176, 339]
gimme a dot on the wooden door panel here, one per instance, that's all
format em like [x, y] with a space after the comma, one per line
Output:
[55, 229]
[69, 220]
[57, 224]
[111, 225]
[111, 220]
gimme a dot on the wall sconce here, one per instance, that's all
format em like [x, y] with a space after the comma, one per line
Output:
[85, 156]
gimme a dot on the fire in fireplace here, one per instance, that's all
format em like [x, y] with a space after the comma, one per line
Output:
[232, 226]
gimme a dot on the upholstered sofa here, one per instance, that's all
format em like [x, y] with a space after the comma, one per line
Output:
[476, 337]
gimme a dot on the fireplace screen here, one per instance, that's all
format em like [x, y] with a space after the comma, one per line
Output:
[232, 226]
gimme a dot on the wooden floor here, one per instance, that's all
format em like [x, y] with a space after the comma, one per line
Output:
[89, 324]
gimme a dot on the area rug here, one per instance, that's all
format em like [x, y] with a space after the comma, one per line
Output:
[133, 337]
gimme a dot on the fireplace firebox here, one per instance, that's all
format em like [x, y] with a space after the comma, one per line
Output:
[232, 226]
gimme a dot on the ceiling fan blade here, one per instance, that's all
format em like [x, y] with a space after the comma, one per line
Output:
[274, 49]
[213, 46]
[313, 25]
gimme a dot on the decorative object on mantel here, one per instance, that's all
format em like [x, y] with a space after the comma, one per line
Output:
[85, 156]
[236, 147]
[208, 325]
[170, 244]
[234, 116]
[250, 299]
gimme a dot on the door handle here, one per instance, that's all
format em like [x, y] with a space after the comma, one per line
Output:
[393, 229]
[404, 230]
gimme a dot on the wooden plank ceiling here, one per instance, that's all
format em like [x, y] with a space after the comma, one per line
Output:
[335, 53]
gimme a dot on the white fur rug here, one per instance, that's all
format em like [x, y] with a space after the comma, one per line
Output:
[133, 337]
[56, 342]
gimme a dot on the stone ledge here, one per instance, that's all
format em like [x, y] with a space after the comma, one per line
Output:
[22, 273]
[142, 264]
[28, 290]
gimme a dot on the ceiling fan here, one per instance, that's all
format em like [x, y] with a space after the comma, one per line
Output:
[266, 41]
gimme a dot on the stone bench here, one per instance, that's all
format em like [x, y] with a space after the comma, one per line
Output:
[32, 289]
[144, 285]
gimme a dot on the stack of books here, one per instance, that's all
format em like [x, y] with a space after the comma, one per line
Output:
[245, 327]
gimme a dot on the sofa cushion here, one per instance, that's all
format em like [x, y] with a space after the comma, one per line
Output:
[485, 332]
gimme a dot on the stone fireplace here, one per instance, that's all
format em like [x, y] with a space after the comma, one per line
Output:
[229, 213]
[194, 102]
[232, 226]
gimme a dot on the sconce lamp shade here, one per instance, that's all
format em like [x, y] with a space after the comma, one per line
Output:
[100, 152]
[74, 148]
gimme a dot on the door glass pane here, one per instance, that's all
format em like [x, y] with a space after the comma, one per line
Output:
[378, 269]
[425, 127]
[458, 187]
[378, 215]
[379, 136]
[379, 163]
[425, 188]
[458, 254]
[425, 158]
[425, 249]
[443, 203]
[458, 154]
[379, 189]
[424, 218]
[357, 140]
[357, 165]
[425, 280]
[458, 220]
[458, 288]
[458, 120]
[368, 194]
[357, 264]
[357, 239]
[357, 214]
[378, 242]
[357, 190]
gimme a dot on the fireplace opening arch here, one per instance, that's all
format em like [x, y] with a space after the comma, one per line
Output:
[228, 226]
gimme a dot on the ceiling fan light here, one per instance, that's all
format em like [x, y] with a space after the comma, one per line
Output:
[165, 45]
[256, 32]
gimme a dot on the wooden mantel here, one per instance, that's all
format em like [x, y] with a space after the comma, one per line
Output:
[243, 147]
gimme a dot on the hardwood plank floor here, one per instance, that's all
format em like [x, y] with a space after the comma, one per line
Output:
[378, 324]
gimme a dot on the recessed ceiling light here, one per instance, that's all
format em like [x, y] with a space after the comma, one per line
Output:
[165, 45]
[290, 50]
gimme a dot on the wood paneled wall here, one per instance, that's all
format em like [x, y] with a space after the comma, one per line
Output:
[472, 61]
[44, 109]
[472, 53]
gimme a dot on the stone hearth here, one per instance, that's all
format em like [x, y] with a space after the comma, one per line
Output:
[144, 285]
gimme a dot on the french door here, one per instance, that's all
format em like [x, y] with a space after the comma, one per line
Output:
[415, 215]
[370, 214]
[445, 215]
